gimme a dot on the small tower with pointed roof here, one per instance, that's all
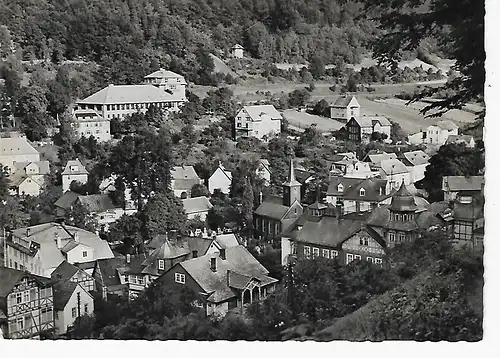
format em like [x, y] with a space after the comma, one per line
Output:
[291, 188]
[403, 206]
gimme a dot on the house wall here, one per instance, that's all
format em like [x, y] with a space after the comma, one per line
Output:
[68, 179]
[246, 127]
[417, 138]
[382, 129]
[268, 228]
[417, 172]
[65, 317]
[238, 53]
[88, 126]
[119, 111]
[18, 260]
[372, 249]
[168, 280]
[396, 179]
[29, 187]
[77, 254]
[436, 135]
[263, 173]
[219, 180]
[344, 114]
[176, 85]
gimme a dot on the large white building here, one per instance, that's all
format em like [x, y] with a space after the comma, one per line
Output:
[345, 108]
[257, 121]
[436, 134]
[87, 123]
[15, 148]
[168, 81]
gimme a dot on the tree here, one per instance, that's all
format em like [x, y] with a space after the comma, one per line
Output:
[459, 26]
[199, 190]
[321, 108]
[298, 98]
[451, 159]
[317, 67]
[397, 133]
[4, 183]
[164, 212]
[128, 230]
[79, 215]
[351, 85]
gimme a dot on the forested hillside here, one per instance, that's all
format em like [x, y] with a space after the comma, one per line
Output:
[133, 36]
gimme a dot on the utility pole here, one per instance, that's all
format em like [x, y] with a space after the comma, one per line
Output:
[290, 289]
[78, 300]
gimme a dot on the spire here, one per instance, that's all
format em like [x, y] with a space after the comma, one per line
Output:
[291, 176]
[402, 200]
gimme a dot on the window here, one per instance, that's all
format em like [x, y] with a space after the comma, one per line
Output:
[363, 241]
[86, 308]
[84, 253]
[401, 237]
[133, 279]
[15, 265]
[27, 321]
[180, 278]
[26, 296]
[340, 188]
[47, 314]
[19, 298]
[326, 253]
[361, 192]
[357, 257]
[44, 292]
[20, 324]
[161, 265]
[32, 294]
[315, 252]
[125, 278]
[405, 217]
[396, 217]
[73, 312]
[392, 237]
[334, 253]
[378, 261]
[140, 280]
[239, 125]
[307, 251]
[294, 249]
[349, 258]
[370, 259]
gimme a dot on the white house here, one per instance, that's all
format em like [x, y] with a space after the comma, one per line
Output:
[28, 178]
[71, 300]
[118, 101]
[73, 171]
[360, 170]
[468, 140]
[220, 179]
[168, 81]
[345, 108]
[395, 172]
[257, 121]
[15, 148]
[436, 134]
[87, 123]
[197, 207]
[361, 128]
[264, 171]
[183, 179]
[237, 51]
[416, 161]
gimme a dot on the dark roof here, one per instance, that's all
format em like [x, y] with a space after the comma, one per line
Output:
[380, 218]
[271, 210]
[374, 189]
[346, 183]
[67, 200]
[302, 175]
[97, 203]
[402, 200]
[458, 183]
[199, 244]
[459, 138]
[63, 272]
[216, 284]
[135, 265]
[237, 280]
[62, 293]
[343, 101]
[474, 210]
[108, 269]
[8, 279]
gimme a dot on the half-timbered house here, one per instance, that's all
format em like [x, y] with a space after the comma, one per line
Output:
[27, 304]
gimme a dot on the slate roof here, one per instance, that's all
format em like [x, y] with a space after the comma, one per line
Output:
[76, 162]
[474, 210]
[227, 240]
[381, 119]
[393, 166]
[459, 138]
[121, 94]
[18, 177]
[63, 272]
[8, 279]
[462, 183]
[374, 188]
[62, 292]
[50, 255]
[346, 183]
[302, 175]
[199, 204]
[377, 157]
[256, 112]
[416, 157]
[16, 146]
[67, 200]
[381, 215]
[363, 121]
[446, 124]
[97, 203]
[108, 268]
[343, 101]
[402, 200]
[184, 177]
[238, 261]
[271, 210]
[199, 244]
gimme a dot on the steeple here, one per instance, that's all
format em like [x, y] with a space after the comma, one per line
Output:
[291, 188]
[402, 200]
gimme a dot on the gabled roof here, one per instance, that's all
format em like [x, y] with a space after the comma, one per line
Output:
[227, 240]
[10, 277]
[199, 204]
[81, 169]
[16, 146]
[343, 101]
[271, 210]
[381, 119]
[62, 292]
[363, 121]
[121, 94]
[163, 73]
[416, 157]
[237, 46]
[345, 182]
[43, 166]
[238, 265]
[376, 156]
[374, 190]
[393, 166]
[291, 181]
[463, 183]
[64, 271]
[256, 113]
[184, 172]
[97, 203]
[227, 173]
[67, 200]
[446, 124]
[108, 268]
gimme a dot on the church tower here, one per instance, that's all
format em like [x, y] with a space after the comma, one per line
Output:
[291, 188]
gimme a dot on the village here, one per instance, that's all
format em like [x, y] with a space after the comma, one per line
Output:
[234, 170]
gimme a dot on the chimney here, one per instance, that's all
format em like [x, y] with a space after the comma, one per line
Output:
[222, 254]
[260, 197]
[28, 231]
[128, 258]
[75, 237]
[213, 264]
[58, 241]
[195, 254]
[338, 212]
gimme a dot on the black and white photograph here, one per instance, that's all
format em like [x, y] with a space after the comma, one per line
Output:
[243, 170]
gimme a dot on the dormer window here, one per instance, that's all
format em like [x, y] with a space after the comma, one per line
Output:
[161, 265]
[361, 192]
[340, 188]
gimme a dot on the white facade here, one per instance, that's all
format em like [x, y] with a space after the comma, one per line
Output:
[69, 314]
[436, 134]
[417, 172]
[237, 51]
[220, 179]
[168, 81]
[257, 121]
[386, 129]
[80, 253]
[360, 170]
[345, 108]
[15, 149]
[74, 171]
[87, 123]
